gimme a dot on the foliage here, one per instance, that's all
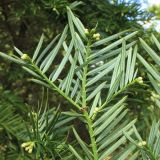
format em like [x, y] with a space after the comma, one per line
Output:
[20, 20]
[115, 16]
[101, 74]
[155, 10]
[40, 133]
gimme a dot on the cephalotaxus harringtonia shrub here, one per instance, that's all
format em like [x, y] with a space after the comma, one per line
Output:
[97, 72]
